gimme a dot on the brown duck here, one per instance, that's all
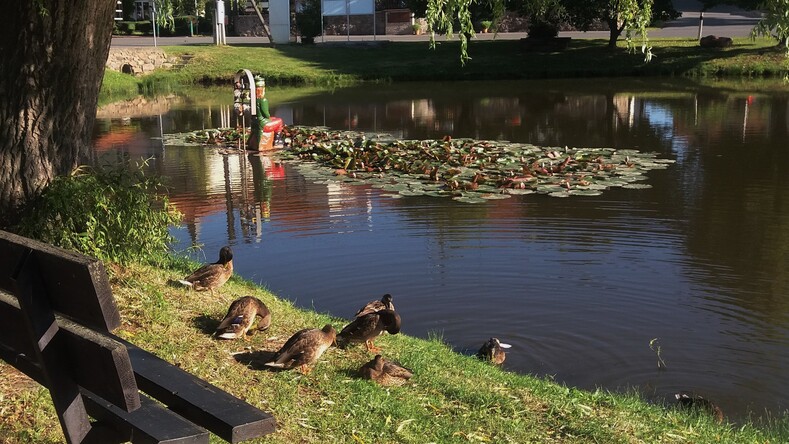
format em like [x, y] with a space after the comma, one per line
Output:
[240, 317]
[366, 328]
[212, 276]
[691, 401]
[385, 372]
[493, 350]
[373, 306]
[304, 348]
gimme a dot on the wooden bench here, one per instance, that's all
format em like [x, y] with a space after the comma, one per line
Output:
[56, 317]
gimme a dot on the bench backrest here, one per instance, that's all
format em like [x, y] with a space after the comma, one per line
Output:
[56, 316]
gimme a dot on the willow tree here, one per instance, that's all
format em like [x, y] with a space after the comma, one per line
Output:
[53, 54]
[630, 17]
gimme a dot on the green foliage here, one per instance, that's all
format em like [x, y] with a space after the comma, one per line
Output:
[165, 14]
[663, 10]
[545, 17]
[117, 86]
[629, 16]
[115, 213]
[775, 22]
[308, 20]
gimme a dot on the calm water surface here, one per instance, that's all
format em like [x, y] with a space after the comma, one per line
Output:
[578, 286]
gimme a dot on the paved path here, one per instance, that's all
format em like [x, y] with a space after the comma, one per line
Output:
[722, 21]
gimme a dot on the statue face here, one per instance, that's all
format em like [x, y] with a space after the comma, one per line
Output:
[260, 91]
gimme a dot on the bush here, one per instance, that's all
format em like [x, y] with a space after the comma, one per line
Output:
[180, 27]
[126, 28]
[133, 28]
[115, 214]
[308, 21]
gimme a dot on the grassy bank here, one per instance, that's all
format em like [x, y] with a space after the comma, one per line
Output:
[339, 63]
[452, 398]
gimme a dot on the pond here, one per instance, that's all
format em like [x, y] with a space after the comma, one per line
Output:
[584, 288]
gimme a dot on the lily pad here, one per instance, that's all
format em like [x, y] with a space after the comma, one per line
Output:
[467, 170]
[585, 192]
[469, 199]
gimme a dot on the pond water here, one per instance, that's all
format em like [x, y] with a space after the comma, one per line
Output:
[579, 286]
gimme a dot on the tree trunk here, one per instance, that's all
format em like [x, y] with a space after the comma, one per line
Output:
[53, 54]
[615, 30]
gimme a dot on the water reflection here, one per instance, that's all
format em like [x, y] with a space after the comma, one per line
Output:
[579, 286]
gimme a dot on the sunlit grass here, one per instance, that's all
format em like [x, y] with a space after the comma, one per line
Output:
[344, 64]
[452, 397]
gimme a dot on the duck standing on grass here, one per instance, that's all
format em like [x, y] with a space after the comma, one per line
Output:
[212, 276]
[385, 372]
[373, 306]
[304, 348]
[493, 351]
[240, 317]
[366, 328]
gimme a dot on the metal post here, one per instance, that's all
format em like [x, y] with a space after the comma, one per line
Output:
[153, 22]
[701, 23]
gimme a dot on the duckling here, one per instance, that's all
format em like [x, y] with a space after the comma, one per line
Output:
[493, 351]
[212, 276]
[692, 401]
[373, 306]
[240, 317]
[385, 372]
[366, 328]
[304, 348]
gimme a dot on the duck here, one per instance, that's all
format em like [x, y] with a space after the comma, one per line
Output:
[240, 317]
[304, 348]
[385, 372]
[493, 350]
[691, 401]
[367, 327]
[212, 276]
[373, 306]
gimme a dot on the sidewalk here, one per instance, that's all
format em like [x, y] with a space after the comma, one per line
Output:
[722, 21]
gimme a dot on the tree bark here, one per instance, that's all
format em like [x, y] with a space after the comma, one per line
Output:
[53, 54]
[615, 30]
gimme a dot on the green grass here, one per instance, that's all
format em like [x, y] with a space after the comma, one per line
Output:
[338, 64]
[452, 398]
[117, 86]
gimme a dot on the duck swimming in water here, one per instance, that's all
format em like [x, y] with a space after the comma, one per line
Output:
[493, 350]
[691, 401]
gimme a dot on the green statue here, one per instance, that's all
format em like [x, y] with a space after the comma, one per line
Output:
[264, 127]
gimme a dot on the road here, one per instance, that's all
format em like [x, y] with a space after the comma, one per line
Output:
[722, 21]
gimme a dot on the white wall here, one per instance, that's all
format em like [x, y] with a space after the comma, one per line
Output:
[279, 20]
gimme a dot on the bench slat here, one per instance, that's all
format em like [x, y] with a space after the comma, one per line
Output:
[149, 424]
[98, 362]
[218, 411]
